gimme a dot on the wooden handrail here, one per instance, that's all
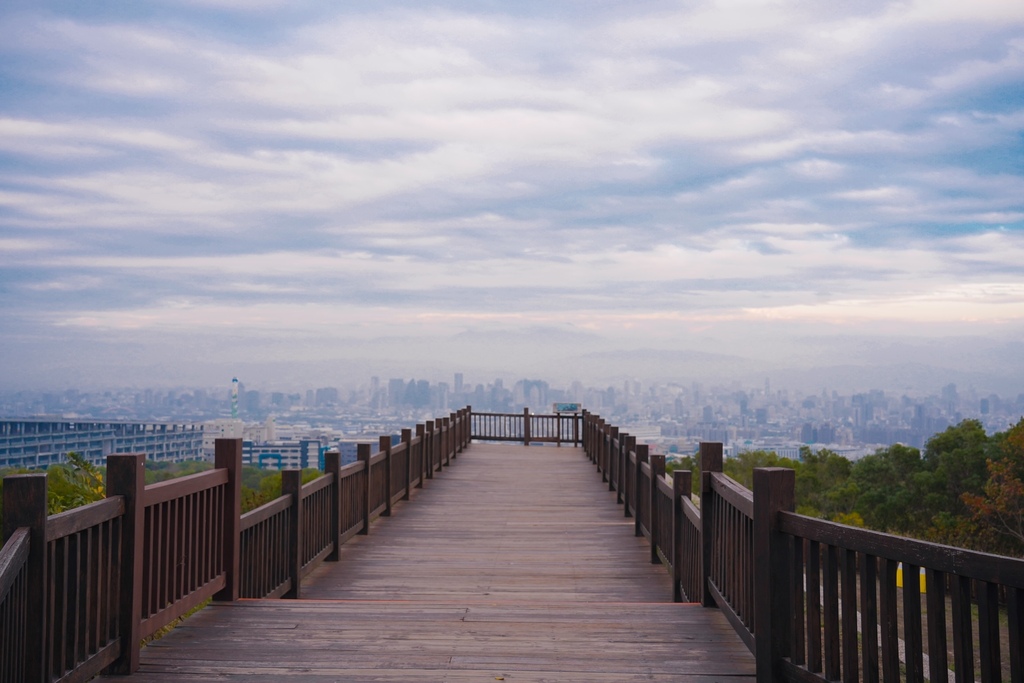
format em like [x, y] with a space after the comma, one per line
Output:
[14, 604]
[167, 547]
[840, 580]
[526, 428]
[745, 551]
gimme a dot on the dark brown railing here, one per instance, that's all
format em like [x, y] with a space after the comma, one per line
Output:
[14, 605]
[815, 600]
[108, 575]
[527, 428]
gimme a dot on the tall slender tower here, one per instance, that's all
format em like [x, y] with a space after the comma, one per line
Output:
[234, 398]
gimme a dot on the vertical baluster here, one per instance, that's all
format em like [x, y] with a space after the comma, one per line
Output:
[869, 616]
[963, 640]
[912, 623]
[798, 647]
[890, 621]
[988, 632]
[814, 662]
[848, 577]
[1015, 627]
[935, 585]
[58, 619]
[831, 581]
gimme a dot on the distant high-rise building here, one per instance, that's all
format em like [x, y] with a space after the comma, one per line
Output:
[327, 396]
[396, 392]
[458, 382]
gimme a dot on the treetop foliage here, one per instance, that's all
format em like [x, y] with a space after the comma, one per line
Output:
[965, 489]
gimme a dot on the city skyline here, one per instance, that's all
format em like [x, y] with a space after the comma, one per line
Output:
[743, 417]
[831, 193]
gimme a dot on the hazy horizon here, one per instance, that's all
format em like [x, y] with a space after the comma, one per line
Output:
[829, 193]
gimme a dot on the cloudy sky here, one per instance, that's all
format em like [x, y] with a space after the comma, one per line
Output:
[193, 189]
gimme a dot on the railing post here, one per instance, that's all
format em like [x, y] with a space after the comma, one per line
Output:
[585, 434]
[710, 462]
[439, 444]
[682, 485]
[407, 440]
[604, 457]
[608, 433]
[384, 444]
[454, 435]
[363, 454]
[228, 455]
[626, 445]
[526, 426]
[421, 434]
[291, 485]
[657, 472]
[446, 440]
[577, 435]
[467, 435]
[332, 465]
[773, 492]
[641, 450]
[605, 463]
[595, 438]
[428, 448]
[126, 476]
[25, 506]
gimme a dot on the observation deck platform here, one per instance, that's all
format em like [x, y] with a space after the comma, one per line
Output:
[514, 564]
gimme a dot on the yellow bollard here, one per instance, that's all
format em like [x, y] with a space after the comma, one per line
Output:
[899, 577]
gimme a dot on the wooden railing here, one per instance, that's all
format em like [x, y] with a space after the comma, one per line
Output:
[81, 589]
[814, 600]
[527, 428]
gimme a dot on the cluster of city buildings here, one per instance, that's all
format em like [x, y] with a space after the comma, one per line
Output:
[294, 429]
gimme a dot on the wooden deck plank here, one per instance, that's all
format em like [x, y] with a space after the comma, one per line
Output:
[513, 564]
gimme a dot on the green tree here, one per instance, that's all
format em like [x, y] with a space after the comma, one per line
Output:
[956, 463]
[162, 471]
[888, 489]
[999, 508]
[686, 462]
[73, 484]
[741, 468]
[823, 486]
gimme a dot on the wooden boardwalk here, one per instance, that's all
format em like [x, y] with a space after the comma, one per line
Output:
[513, 564]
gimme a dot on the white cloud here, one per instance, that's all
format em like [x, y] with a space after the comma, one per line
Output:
[653, 169]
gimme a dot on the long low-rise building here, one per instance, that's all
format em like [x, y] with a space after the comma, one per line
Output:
[284, 455]
[41, 443]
